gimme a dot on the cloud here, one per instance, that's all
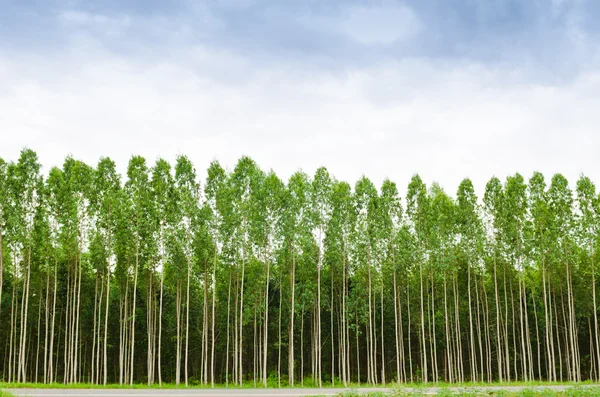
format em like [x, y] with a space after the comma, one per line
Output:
[300, 86]
[391, 120]
[381, 24]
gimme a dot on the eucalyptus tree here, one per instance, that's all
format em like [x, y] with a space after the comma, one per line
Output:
[106, 195]
[588, 228]
[492, 207]
[54, 197]
[540, 240]
[3, 208]
[296, 229]
[407, 256]
[441, 239]
[341, 281]
[72, 195]
[243, 184]
[42, 269]
[138, 202]
[188, 194]
[266, 233]
[417, 210]
[77, 224]
[216, 202]
[513, 230]
[322, 191]
[389, 227]
[336, 251]
[364, 258]
[164, 202]
[24, 184]
[470, 239]
[563, 253]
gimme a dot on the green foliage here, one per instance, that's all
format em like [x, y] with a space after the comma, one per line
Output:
[429, 287]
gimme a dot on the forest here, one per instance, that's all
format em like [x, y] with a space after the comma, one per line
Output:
[237, 277]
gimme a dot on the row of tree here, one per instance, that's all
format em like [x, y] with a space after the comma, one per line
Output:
[246, 278]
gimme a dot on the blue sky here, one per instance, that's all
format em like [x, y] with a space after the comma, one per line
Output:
[447, 89]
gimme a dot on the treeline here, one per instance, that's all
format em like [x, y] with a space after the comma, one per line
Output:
[157, 277]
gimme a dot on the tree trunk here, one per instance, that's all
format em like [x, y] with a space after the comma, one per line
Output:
[266, 325]
[132, 347]
[105, 346]
[473, 376]
[241, 339]
[279, 335]
[187, 321]
[212, 346]
[228, 324]
[291, 333]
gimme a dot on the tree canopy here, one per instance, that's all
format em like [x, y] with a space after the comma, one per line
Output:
[237, 276]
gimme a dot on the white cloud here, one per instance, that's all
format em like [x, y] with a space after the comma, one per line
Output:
[383, 24]
[393, 120]
[84, 18]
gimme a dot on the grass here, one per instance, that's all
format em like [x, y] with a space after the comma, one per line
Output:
[273, 385]
[583, 389]
[575, 391]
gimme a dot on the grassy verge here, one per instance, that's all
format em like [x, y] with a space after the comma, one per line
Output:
[575, 391]
[250, 385]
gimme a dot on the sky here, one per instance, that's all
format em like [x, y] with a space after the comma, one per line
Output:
[447, 89]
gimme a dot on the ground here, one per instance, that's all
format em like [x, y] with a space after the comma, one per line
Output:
[548, 390]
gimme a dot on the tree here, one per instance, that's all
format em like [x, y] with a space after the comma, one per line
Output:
[417, 207]
[106, 282]
[588, 228]
[296, 230]
[188, 192]
[139, 212]
[322, 212]
[3, 209]
[106, 197]
[164, 201]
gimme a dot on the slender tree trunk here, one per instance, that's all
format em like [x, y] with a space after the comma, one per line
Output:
[212, 346]
[94, 338]
[46, 314]
[596, 337]
[187, 321]
[178, 336]
[302, 345]
[424, 345]
[37, 353]
[497, 300]
[266, 325]
[105, 345]
[96, 363]
[24, 315]
[160, 311]
[291, 333]
[241, 339]
[279, 335]
[382, 340]
[1, 266]
[332, 337]
[132, 331]
[448, 350]
[51, 368]
[228, 324]
[473, 376]
[13, 330]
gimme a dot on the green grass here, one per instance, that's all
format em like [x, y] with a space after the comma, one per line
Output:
[575, 391]
[307, 384]
[584, 389]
